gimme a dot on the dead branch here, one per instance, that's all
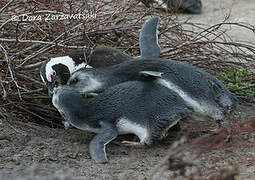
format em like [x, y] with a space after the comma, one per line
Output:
[7, 4]
[10, 70]
[40, 42]
[27, 44]
[32, 66]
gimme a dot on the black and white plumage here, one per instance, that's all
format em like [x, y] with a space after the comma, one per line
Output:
[202, 92]
[143, 108]
[60, 68]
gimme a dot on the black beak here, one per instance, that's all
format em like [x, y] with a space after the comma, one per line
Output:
[50, 88]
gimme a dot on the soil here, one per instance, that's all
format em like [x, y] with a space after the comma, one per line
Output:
[32, 151]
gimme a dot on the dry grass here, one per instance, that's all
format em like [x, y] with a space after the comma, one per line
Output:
[25, 44]
[184, 164]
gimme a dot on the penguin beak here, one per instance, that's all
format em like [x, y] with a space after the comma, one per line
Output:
[50, 88]
[53, 84]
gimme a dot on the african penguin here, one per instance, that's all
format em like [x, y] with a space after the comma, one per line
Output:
[143, 108]
[190, 6]
[100, 57]
[60, 68]
[202, 92]
[184, 6]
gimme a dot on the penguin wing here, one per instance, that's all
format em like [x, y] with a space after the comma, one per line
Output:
[148, 39]
[151, 74]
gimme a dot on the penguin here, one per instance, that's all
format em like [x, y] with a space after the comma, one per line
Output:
[62, 67]
[183, 6]
[191, 6]
[142, 107]
[202, 92]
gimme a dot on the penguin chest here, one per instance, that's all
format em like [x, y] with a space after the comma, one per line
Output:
[125, 126]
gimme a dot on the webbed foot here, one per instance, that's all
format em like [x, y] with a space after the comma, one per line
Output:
[128, 143]
[97, 145]
[223, 126]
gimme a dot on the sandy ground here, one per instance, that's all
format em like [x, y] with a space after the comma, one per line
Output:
[238, 11]
[30, 151]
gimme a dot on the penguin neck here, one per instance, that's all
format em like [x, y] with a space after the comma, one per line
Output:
[107, 76]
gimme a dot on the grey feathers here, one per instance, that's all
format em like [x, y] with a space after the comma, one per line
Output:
[143, 105]
[101, 56]
[148, 39]
[202, 92]
[144, 96]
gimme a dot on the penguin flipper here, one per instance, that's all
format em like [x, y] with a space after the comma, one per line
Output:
[151, 74]
[89, 95]
[148, 39]
[97, 145]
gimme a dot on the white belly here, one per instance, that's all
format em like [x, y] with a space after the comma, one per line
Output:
[126, 126]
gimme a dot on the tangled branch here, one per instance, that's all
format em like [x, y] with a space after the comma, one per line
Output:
[25, 44]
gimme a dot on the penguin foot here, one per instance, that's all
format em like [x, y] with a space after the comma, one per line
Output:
[97, 145]
[128, 143]
[216, 132]
[176, 127]
[213, 131]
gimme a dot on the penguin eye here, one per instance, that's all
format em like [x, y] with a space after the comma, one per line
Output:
[54, 73]
[74, 80]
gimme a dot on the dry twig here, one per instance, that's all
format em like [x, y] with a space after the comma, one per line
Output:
[26, 44]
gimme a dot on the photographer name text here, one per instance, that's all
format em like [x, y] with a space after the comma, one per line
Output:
[54, 17]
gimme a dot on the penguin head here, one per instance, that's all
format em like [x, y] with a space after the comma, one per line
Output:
[85, 81]
[58, 70]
